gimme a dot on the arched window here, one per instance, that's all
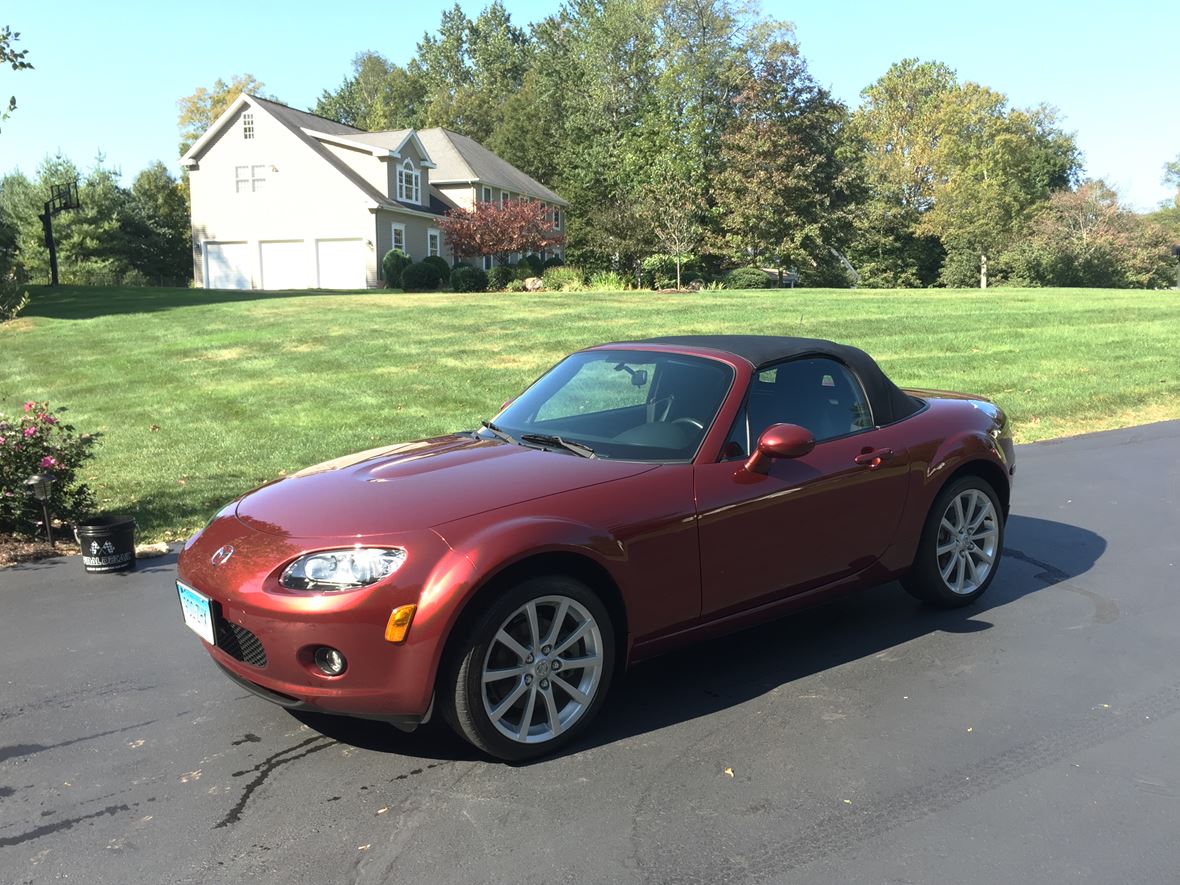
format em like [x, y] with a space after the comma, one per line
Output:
[409, 183]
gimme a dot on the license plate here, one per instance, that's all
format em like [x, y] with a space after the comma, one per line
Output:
[197, 610]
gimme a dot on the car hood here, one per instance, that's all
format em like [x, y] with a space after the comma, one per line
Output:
[419, 485]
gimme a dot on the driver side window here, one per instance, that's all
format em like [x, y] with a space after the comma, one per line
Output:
[817, 393]
[599, 386]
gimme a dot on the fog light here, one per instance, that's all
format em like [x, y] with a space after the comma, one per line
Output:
[399, 622]
[330, 661]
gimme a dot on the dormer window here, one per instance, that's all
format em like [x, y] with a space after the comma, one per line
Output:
[247, 126]
[409, 183]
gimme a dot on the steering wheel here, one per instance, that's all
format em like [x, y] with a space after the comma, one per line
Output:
[690, 421]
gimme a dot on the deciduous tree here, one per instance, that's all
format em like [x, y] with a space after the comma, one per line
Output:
[199, 110]
[787, 190]
[518, 226]
[17, 59]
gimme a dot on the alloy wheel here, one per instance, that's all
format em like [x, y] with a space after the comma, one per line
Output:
[967, 537]
[542, 669]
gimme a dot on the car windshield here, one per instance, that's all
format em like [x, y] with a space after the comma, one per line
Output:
[629, 405]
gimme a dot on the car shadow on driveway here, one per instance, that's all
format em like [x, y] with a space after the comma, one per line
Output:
[722, 673]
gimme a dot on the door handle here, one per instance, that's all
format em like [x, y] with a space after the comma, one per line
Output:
[873, 458]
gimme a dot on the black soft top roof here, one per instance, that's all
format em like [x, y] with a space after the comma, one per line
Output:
[887, 400]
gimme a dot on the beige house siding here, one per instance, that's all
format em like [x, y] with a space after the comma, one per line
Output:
[299, 197]
[416, 230]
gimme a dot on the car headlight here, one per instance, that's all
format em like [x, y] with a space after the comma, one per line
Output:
[342, 569]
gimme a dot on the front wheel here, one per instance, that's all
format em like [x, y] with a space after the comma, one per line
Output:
[961, 545]
[533, 669]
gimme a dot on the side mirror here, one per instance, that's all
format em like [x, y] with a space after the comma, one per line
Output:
[507, 403]
[780, 441]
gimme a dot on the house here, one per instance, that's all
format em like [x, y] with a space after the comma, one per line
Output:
[283, 199]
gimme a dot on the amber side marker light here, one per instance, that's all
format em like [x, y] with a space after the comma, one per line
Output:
[399, 622]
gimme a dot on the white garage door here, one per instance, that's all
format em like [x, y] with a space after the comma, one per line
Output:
[227, 266]
[285, 265]
[341, 264]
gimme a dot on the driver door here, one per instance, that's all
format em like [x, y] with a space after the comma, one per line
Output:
[810, 520]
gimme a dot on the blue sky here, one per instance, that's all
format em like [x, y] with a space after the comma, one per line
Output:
[108, 74]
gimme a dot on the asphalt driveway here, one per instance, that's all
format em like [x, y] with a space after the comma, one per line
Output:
[1029, 738]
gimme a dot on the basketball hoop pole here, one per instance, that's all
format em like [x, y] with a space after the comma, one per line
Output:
[47, 223]
[61, 197]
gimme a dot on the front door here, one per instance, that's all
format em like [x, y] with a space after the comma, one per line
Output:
[809, 520]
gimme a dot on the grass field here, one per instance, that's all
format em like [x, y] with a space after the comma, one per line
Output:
[201, 395]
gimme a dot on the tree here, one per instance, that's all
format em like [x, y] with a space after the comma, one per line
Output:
[15, 58]
[673, 210]
[157, 226]
[788, 190]
[994, 167]
[1172, 178]
[1085, 238]
[519, 226]
[378, 96]
[470, 68]
[199, 110]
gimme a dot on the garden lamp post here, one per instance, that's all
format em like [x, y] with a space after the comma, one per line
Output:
[40, 484]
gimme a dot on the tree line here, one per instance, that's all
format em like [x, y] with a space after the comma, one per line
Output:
[689, 137]
[695, 128]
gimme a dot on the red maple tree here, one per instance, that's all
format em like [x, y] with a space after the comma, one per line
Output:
[518, 226]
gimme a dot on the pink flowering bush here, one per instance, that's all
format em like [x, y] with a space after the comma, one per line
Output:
[33, 441]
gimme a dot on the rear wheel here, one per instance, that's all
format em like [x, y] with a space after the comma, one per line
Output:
[533, 669]
[961, 545]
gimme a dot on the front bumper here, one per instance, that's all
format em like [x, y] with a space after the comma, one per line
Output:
[382, 680]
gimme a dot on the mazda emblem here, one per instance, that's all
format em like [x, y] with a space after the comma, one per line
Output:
[222, 554]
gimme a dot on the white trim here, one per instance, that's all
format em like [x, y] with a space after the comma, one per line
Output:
[344, 141]
[408, 191]
[426, 163]
[393, 229]
[433, 232]
[217, 126]
[550, 198]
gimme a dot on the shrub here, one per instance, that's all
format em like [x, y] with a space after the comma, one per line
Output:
[499, 277]
[553, 261]
[466, 278]
[440, 264]
[516, 286]
[39, 442]
[563, 279]
[420, 277]
[13, 299]
[535, 264]
[659, 271]
[392, 265]
[746, 278]
[606, 281]
[523, 271]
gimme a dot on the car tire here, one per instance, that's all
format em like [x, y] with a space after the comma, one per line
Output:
[961, 546]
[557, 677]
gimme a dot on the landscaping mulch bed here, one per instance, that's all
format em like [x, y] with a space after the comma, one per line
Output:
[15, 549]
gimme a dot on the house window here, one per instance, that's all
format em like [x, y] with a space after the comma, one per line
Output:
[487, 262]
[433, 242]
[247, 126]
[399, 238]
[487, 194]
[409, 183]
[556, 219]
[503, 199]
[248, 179]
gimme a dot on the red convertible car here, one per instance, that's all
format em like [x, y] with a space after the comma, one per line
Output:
[638, 496]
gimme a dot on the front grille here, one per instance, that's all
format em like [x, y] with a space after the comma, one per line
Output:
[239, 643]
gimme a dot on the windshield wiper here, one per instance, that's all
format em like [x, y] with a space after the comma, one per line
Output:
[507, 437]
[569, 445]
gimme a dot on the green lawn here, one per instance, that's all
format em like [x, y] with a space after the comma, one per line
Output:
[245, 386]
